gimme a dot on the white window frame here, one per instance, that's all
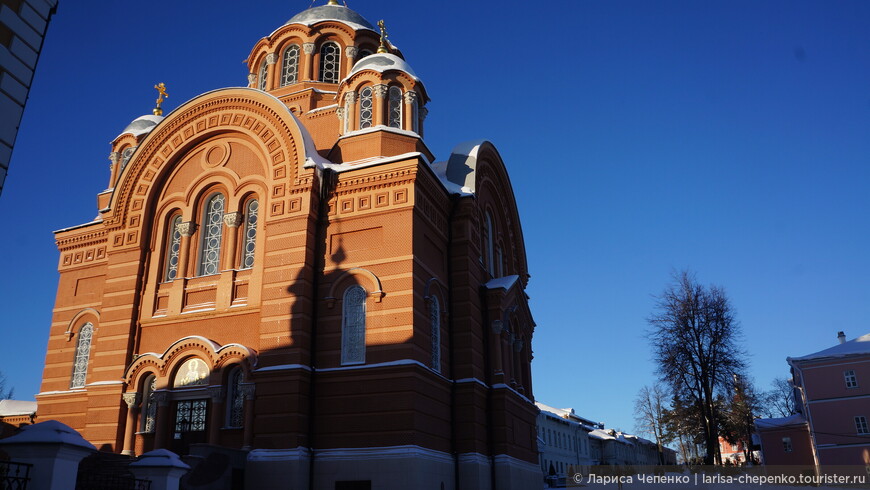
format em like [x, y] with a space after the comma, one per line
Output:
[861, 425]
[290, 71]
[211, 230]
[850, 378]
[330, 75]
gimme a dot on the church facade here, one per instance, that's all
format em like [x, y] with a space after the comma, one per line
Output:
[285, 269]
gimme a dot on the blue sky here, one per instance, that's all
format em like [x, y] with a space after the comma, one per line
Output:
[642, 137]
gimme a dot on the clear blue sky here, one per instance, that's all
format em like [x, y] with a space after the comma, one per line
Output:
[729, 137]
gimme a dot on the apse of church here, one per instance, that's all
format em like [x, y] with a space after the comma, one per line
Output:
[286, 270]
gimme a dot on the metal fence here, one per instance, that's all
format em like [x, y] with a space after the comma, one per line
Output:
[14, 476]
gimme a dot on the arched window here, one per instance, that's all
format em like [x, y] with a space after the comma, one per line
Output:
[415, 116]
[395, 107]
[330, 62]
[210, 249]
[235, 398]
[149, 404]
[435, 326]
[249, 243]
[83, 355]
[488, 245]
[363, 53]
[353, 326]
[290, 65]
[262, 76]
[172, 249]
[365, 108]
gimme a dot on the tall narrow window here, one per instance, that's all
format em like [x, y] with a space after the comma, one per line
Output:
[353, 326]
[262, 76]
[290, 65]
[83, 355]
[236, 399]
[415, 116]
[149, 404]
[173, 249]
[488, 250]
[330, 61]
[365, 108]
[213, 221]
[435, 326]
[861, 425]
[250, 238]
[395, 116]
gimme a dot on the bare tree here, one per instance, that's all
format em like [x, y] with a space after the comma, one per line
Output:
[4, 393]
[695, 344]
[779, 400]
[650, 410]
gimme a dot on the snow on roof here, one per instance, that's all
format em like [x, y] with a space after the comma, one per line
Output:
[141, 125]
[505, 282]
[791, 420]
[601, 434]
[854, 347]
[458, 173]
[16, 407]
[51, 432]
[160, 458]
[381, 62]
[338, 13]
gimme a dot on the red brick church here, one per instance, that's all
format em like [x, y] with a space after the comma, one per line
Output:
[285, 269]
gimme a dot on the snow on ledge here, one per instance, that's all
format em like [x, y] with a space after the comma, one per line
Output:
[505, 282]
[367, 162]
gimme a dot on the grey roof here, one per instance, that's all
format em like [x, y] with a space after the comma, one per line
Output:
[338, 13]
[855, 347]
[142, 125]
[381, 62]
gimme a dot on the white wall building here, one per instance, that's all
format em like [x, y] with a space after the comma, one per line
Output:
[566, 439]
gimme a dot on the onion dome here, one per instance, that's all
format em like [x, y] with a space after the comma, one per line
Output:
[332, 11]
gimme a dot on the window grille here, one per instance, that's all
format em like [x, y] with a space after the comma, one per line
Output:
[861, 425]
[353, 326]
[149, 411]
[190, 416]
[209, 260]
[330, 61]
[173, 250]
[435, 324]
[83, 354]
[237, 400]
[250, 239]
[262, 77]
[395, 120]
[290, 65]
[365, 108]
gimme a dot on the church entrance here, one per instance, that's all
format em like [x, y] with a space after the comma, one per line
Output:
[190, 424]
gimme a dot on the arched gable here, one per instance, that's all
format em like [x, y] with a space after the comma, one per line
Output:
[254, 115]
[477, 168]
[217, 357]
